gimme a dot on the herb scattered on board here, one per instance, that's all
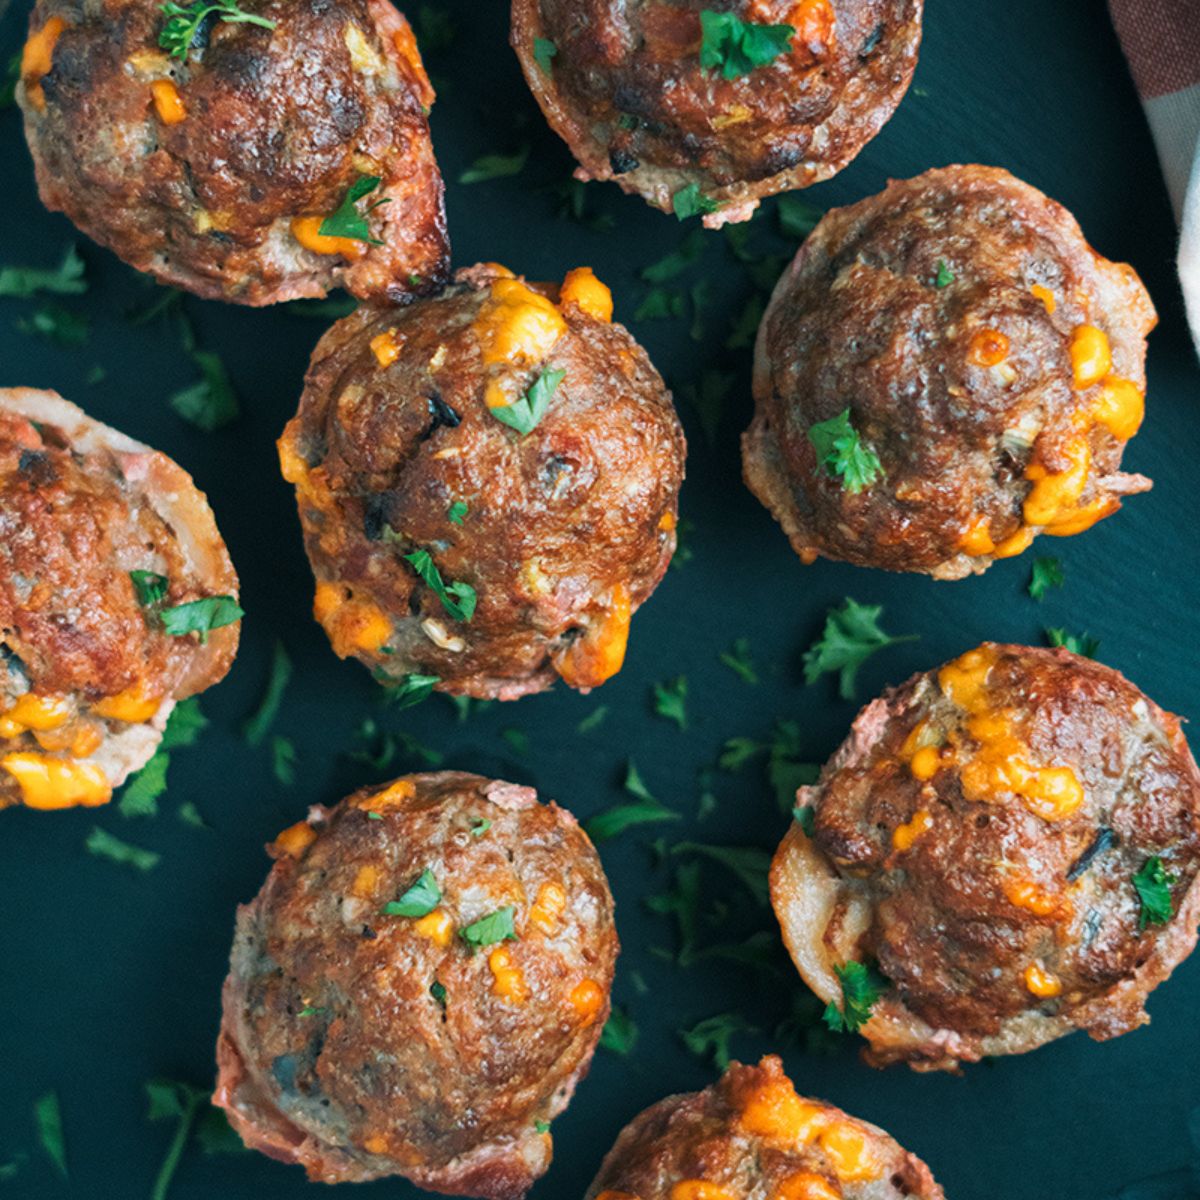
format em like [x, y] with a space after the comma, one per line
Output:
[421, 898]
[713, 1035]
[737, 659]
[620, 1032]
[186, 24]
[283, 760]
[851, 635]
[188, 1107]
[1153, 886]
[141, 795]
[255, 729]
[1047, 574]
[804, 815]
[524, 415]
[677, 261]
[593, 720]
[744, 328]
[64, 280]
[670, 701]
[708, 398]
[458, 599]
[412, 689]
[748, 863]
[56, 324]
[9, 78]
[682, 902]
[103, 844]
[944, 276]
[736, 47]
[47, 1120]
[210, 403]
[785, 766]
[495, 927]
[797, 218]
[495, 166]
[544, 52]
[1082, 644]
[350, 221]
[843, 455]
[517, 741]
[645, 810]
[201, 616]
[457, 512]
[690, 201]
[660, 304]
[861, 989]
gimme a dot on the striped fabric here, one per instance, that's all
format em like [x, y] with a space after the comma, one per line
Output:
[1162, 42]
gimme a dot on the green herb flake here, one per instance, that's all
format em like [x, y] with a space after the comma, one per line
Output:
[736, 47]
[689, 201]
[211, 403]
[670, 701]
[620, 1032]
[457, 512]
[738, 660]
[679, 260]
[544, 52]
[255, 729]
[458, 599]
[524, 415]
[64, 280]
[421, 898]
[518, 741]
[713, 1035]
[944, 277]
[495, 927]
[708, 398]
[660, 304]
[542, 1126]
[103, 844]
[141, 794]
[170, 1100]
[412, 689]
[748, 864]
[495, 166]
[842, 453]
[310, 1011]
[1153, 886]
[185, 725]
[851, 636]
[797, 218]
[149, 587]
[804, 815]
[348, 220]
[374, 816]
[189, 814]
[593, 720]
[201, 616]
[861, 989]
[283, 760]
[57, 324]
[437, 990]
[47, 1119]
[682, 902]
[1047, 574]
[1082, 644]
[480, 827]
[744, 328]
[185, 23]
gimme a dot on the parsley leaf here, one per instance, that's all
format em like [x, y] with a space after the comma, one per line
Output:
[708, 399]
[1153, 886]
[1084, 644]
[615, 820]
[186, 24]
[412, 689]
[283, 760]
[458, 599]
[944, 277]
[842, 453]
[140, 796]
[480, 827]
[682, 901]
[593, 720]
[201, 616]
[678, 261]
[495, 166]
[861, 989]
[185, 724]
[851, 635]
[103, 844]
[149, 587]
[47, 1117]
[737, 46]
[689, 201]
[523, 415]
[421, 898]
[544, 52]
[1047, 573]
[64, 280]
[255, 729]
[347, 221]
[805, 814]
[659, 304]
[179, 1102]
[210, 403]
[797, 218]
[495, 927]
[713, 1035]
[750, 864]
[744, 328]
[437, 990]
[670, 701]
[57, 324]
[738, 660]
[457, 512]
[620, 1033]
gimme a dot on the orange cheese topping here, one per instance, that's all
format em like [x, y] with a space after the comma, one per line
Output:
[1041, 982]
[587, 998]
[366, 879]
[905, 836]
[295, 839]
[1119, 407]
[988, 348]
[600, 653]
[1016, 544]
[37, 58]
[1054, 497]
[773, 1111]
[813, 21]
[1046, 296]
[85, 739]
[377, 1143]
[516, 327]
[806, 1185]
[850, 1152]
[393, 796]
[1091, 356]
[609, 1194]
[406, 43]
[52, 783]
[132, 706]
[436, 926]
[352, 624]
[167, 102]
[667, 522]
[977, 537]
[1025, 893]
[508, 979]
[925, 764]
[307, 231]
[33, 711]
[548, 906]
[386, 347]
[584, 291]
[701, 1189]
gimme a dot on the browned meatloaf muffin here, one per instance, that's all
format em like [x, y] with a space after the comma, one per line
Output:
[749, 1136]
[257, 155]
[945, 371]
[707, 107]
[419, 986]
[488, 483]
[117, 599]
[1013, 841]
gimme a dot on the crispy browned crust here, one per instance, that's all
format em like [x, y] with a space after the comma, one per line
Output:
[697, 1135]
[557, 519]
[279, 125]
[937, 918]
[379, 1078]
[857, 321]
[801, 119]
[80, 506]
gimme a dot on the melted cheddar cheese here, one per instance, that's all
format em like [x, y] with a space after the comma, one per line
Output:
[295, 839]
[516, 328]
[584, 291]
[353, 624]
[600, 652]
[307, 231]
[508, 979]
[52, 783]
[436, 926]
[548, 906]
[37, 58]
[35, 712]
[587, 998]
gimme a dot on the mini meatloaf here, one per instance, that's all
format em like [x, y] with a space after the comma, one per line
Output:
[419, 986]
[749, 1136]
[945, 371]
[705, 108]
[254, 153]
[117, 599]
[1003, 851]
[488, 483]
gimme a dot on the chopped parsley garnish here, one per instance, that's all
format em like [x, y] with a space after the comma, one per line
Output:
[678, 261]
[210, 403]
[851, 635]
[149, 587]
[542, 1126]
[682, 901]
[178, 1102]
[348, 220]
[945, 276]
[620, 1033]
[738, 660]
[1153, 886]
[1047, 574]
[103, 844]
[744, 328]
[861, 989]
[64, 280]
[189, 814]
[186, 24]
[713, 1035]
[495, 927]
[9, 78]
[141, 795]
[437, 990]
[412, 689]
[518, 741]
[201, 616]
[185, 724]
[495, 166]
[480, 827]
[708, 399]
[283, 760]
[422, 897]
[256, 728]
[736, 47]
[544, 52]
[309, 1011]
[646, 810]
[841, 452]
[670, 701]
[1082, 644]
[47, 1118]
[804, 814]
[593, 720]
[457, 512]
[524, 415]
[56, 324]
[786, 770]
[659, 304]
[689, 201]
[797, 218]
[458, 599]
[748, 863]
